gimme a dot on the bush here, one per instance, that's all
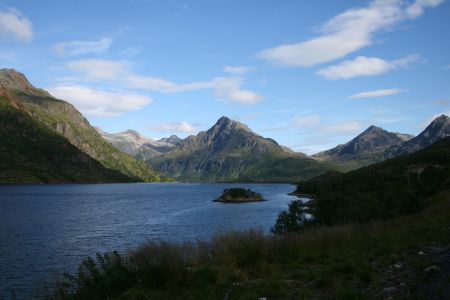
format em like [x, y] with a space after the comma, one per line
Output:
[291, 220]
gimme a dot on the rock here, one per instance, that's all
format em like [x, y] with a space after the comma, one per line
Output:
[432, 270]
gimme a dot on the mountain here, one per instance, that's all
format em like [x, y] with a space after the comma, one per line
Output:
[397, 186]
[63, 119]
[142, 148]
[230, 151]
[438, 129]
[31, 153]
[365, 149]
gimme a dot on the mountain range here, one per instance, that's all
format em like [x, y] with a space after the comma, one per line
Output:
[23, 106]
[141, 147]
[376, 144]
[45, 139]
[230, 151]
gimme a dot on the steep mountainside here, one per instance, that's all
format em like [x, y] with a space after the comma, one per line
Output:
[31, 153]
[62, 118]
[365, 149]
[142, 148]
[438, 129]
[230, 151]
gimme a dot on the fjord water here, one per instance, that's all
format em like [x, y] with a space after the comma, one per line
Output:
[48, 229]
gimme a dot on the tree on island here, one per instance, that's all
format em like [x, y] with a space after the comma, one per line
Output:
[239, 195]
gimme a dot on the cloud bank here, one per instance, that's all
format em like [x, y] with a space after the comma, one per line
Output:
[347, 33]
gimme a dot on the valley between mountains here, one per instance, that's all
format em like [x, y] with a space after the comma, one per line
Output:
[45, 139]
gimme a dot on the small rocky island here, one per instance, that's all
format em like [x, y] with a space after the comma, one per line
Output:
[239, 195]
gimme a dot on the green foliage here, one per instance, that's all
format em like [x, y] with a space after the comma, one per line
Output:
[239, 194]
[291, 220]
[399, 186]
[30, 152]
[62, 118]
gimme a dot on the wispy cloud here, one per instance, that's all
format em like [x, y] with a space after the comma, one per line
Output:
[306, 121]
[238, 69]
[347, 32]
[230, 89]
[377, 93]
[227, 88]
[182, 126]
[15, 24]
[366, 66]
[76, 48]
[343, 127]
[100, 103]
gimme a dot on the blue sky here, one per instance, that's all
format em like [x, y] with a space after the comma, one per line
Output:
[310, 74]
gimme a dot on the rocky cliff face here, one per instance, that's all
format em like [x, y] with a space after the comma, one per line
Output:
[230, 151]
[62, 118]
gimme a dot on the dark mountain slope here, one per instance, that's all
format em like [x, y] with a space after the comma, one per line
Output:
[365, 149]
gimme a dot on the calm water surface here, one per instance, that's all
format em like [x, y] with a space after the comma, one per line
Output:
[47, 229]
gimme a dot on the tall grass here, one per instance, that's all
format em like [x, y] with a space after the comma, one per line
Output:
[331, 262]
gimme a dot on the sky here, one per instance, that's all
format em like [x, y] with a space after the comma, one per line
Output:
[309, 74]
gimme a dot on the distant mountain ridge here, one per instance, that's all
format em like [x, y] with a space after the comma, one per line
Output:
[376, 144]
[62, 118]
[231, 151]
[137, 145]
[366, 148]
[438, 129]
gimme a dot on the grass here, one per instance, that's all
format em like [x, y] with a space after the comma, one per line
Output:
[338, 262]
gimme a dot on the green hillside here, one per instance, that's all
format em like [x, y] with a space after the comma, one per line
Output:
[62, 118]
[30, 152]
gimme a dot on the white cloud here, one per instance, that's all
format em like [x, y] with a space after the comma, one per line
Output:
[418, 7]
[99, 103]
[306, 121]
[376, 93]
[12, 22]
[347, 32]
[75, 48]
[230, 89]
[97, 69]
[237, 69]
[343, 127]
[182, 126]
[365, 66]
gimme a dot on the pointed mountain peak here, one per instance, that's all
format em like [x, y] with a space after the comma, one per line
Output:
[173, 139]
[227, 124]
[373, 128]
[441, 119]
